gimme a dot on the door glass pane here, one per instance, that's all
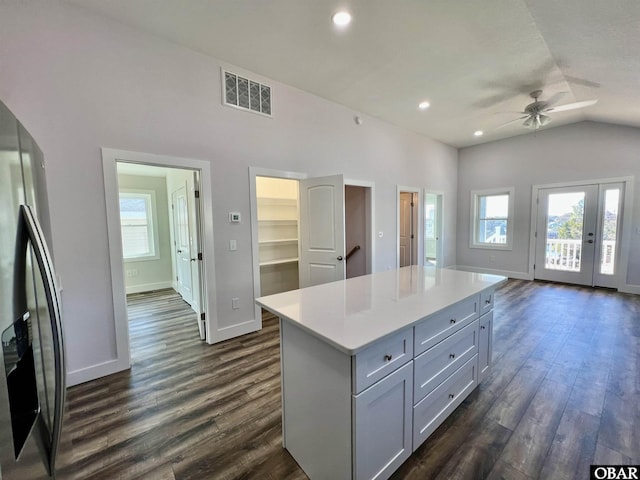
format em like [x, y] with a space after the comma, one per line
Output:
[565, 220]
[430, 228]
[609, 231]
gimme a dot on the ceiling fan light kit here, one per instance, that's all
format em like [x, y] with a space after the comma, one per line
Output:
[534, 113]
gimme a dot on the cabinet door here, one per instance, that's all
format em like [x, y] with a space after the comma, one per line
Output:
[383, 425]
[485, 343]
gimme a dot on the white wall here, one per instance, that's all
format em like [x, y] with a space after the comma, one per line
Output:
[79, 82]
[150, 274]
[575, 152]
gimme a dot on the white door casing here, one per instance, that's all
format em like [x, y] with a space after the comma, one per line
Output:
[321, 230]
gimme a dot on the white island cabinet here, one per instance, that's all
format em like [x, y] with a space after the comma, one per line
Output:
[372, 365]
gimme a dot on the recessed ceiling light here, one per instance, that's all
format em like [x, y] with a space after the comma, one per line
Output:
[423, 105]
[478, 133]
[341, 19]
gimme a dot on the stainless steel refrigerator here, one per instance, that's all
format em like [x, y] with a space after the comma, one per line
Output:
[32, 383]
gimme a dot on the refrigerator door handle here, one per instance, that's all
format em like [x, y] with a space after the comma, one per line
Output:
[29, 229]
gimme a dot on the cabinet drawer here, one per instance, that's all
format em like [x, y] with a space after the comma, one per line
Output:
[438, 405]
[381, 358]
[486, 301]
[440, 325]
[436, 364]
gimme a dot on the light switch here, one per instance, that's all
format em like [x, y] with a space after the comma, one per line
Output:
[233, 245]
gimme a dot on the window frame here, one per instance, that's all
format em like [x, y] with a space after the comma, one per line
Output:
[476, 196]
[152, 223]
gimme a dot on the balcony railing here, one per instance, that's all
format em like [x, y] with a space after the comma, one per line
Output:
[566, 255]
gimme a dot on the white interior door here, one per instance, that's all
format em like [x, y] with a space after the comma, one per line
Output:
[182, 244]
[198, 272]
[322, 242]
[566, 234]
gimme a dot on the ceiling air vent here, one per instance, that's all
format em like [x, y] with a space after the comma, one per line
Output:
[240, 92]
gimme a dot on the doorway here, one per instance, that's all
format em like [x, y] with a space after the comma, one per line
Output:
[160, 227]
[433, 241]
[408, 226]
[358, 229]
[311, 242]
[277, 217]
[579, 234]
[213, 332]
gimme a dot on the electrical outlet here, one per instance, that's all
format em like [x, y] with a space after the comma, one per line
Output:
[235, 303]
[233, 245]
[132, 273]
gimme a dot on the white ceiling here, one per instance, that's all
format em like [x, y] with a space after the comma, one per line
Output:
[475, 61]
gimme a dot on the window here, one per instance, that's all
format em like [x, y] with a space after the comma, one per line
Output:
[139, 235]
[492, 219]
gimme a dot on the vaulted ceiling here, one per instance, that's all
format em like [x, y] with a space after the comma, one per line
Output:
[474, 61]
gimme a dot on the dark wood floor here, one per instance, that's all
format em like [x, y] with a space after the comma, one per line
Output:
[564, 393]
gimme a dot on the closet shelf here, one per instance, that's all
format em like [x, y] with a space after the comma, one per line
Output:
[279, 261]
[273, 223]
[279, 241]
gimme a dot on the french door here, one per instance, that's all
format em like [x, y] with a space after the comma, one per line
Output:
[578, 234]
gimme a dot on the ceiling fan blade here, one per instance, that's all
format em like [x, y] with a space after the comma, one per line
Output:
[511, 121]
[555, 98]
[572, 106]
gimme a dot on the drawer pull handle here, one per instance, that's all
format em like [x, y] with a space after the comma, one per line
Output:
[387, 358]
[482, 327]
[488, 301]
[453, 320]
[452, 396]
[452, 355]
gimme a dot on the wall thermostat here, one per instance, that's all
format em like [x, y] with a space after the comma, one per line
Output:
[234, 217]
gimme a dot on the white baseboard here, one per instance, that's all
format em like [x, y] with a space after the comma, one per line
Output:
[505, 273]
[95, 371]
[148, 287]
[630, 289]
[635, 289]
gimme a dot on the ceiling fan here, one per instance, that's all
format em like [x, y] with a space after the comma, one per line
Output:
[535, 114]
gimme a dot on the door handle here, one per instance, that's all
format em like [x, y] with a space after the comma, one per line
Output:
[179, 251]
[590, 241]
[339, 258]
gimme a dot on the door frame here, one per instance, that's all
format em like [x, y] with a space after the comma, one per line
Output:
[420, 247]
[439, 225]
[625, 224]
[255, 248]
[110, 158]
[370, 196]
[290, 175]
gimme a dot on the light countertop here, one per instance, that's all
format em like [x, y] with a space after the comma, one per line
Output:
[351, 314]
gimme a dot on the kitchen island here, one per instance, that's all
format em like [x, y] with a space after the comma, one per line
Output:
[371, 366]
